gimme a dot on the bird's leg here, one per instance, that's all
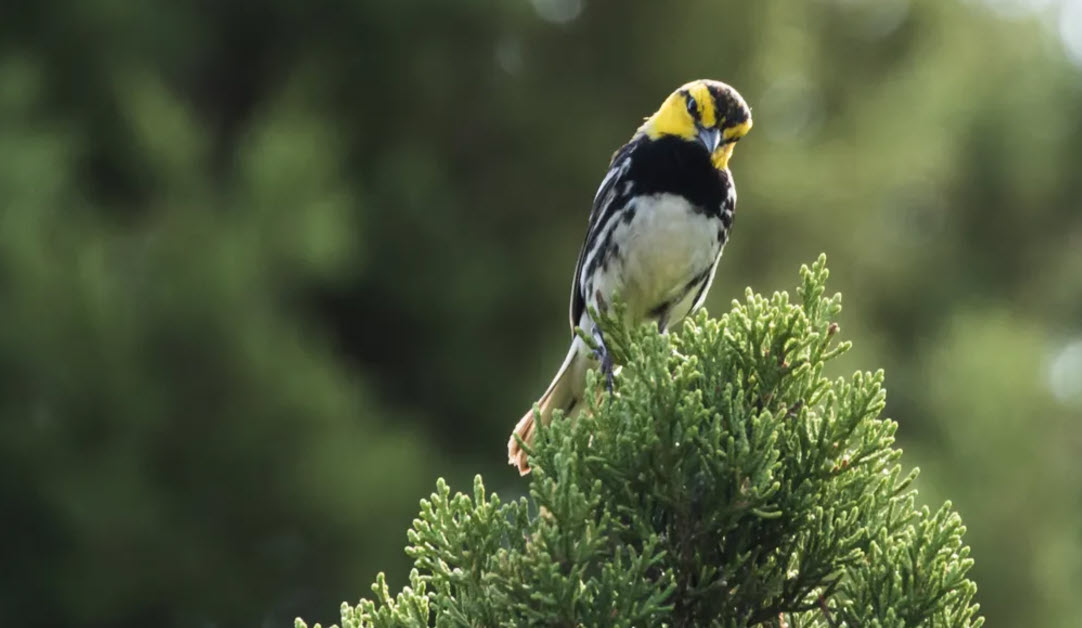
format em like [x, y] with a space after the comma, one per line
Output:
[603, 356]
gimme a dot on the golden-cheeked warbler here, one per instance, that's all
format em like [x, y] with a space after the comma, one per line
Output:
[660, 220]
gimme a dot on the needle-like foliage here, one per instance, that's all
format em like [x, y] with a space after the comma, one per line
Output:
[725, 482]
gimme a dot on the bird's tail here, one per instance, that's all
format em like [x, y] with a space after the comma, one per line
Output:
[564, 393]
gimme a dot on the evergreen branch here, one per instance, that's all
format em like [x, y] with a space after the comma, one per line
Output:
[726, 483]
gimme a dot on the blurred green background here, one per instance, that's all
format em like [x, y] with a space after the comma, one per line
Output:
[267, 269]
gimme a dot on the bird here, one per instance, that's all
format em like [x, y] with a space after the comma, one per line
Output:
[659, 221]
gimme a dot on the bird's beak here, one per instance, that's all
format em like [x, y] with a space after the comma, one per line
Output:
[710, 138]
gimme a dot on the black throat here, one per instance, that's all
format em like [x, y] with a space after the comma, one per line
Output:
[677, 166]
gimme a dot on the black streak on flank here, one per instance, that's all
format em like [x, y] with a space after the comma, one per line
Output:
[603, 254]
[703, 280]
[612, 254]
[698, 280]
[661, 315]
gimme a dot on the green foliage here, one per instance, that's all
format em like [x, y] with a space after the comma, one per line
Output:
[725, 482]
[268, 269]
[166, 413]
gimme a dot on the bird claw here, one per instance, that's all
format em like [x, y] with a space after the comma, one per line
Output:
[605, 358]
[607, 369]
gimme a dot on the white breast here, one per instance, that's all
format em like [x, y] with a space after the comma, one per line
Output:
[662, 248]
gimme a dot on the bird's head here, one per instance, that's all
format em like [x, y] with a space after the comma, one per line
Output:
[704, 111]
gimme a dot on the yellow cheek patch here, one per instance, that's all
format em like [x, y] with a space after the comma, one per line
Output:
[737, 131]
[721, 156]
[671, 119]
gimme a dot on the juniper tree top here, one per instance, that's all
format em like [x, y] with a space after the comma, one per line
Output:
[726, 482]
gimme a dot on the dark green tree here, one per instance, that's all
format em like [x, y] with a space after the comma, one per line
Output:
[725, 482]
[260, 266]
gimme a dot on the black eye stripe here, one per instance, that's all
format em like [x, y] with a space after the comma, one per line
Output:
[693, 106]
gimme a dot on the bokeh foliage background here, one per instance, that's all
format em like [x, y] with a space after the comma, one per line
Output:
[269, 268]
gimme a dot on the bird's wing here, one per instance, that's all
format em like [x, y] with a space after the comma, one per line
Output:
[609, 197]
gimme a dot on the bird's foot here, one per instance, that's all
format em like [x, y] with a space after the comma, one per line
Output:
[605, 358]
[608, 369]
